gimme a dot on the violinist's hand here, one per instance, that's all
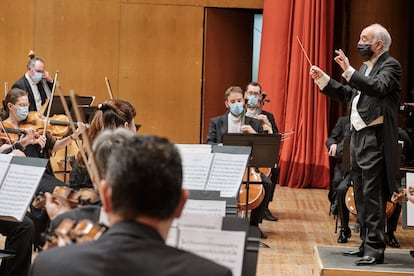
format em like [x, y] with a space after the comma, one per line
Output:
[342, 60]
[332, 150]
[18, 152]
[41, 141]
[54, 206]
[81, 129]
[247, 129]
[29, 138]
[316, 72]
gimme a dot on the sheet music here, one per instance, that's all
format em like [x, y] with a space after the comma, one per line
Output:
[227, 173]
[223, 247]
[196, 168]
[4, 165]
[207, 207]
[193, 148]
[17, 190]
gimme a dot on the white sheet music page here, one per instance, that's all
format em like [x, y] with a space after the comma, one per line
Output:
[223, 247]
[17, 190]
[196, 168]
[208, 207]
[227, 173]
[193, 148]
[4, 166]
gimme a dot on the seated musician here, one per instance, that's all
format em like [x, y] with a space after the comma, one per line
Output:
[235, 121]
[110, 115]
[106, 142]
[141, 194]
[255, 99]
[14, 114]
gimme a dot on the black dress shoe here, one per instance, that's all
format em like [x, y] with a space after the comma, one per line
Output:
[391, 240]
[262, 235]
[356, 252]
[368, 260]
[344, 235]
[269, 216]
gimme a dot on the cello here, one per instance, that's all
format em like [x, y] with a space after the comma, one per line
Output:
[256, 191]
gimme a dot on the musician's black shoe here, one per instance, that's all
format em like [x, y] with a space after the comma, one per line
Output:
[344, 235]
[356, 252]
[269, 216]
[391, 240]
[262, 235]
[368, 260]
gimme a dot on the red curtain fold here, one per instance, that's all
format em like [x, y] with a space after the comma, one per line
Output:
[297, 104]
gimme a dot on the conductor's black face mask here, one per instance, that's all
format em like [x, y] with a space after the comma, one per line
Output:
[365, 51]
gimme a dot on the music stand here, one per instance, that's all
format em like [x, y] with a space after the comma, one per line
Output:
[263, 145]
[57, 106]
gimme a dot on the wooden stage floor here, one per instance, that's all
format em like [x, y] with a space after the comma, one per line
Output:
[303, 223]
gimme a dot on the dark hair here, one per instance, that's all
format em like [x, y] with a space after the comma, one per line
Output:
[253, 83]
[11, 97]
[145, 174]
[111, 114]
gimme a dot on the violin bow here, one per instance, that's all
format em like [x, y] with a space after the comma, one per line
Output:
[87, 144]
[7, 134]
[50, 103]
[72, 126]
[108, 86]
[6, 88]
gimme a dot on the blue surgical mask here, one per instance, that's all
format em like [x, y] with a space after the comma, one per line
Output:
[37, 77]
[22, 112]
[252, 101]
[236, 108]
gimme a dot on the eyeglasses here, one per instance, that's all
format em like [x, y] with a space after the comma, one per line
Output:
[253, 93]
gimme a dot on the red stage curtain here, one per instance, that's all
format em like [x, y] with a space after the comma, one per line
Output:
[296, 102]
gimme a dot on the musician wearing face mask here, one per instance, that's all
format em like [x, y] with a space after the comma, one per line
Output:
[236, 121]
[34, 144]
[36, 82]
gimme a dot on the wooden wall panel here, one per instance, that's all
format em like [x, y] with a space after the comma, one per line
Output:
[16, 38]
[160, 69]
[81, 40]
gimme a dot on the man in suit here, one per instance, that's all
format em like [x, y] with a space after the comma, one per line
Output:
[235, 121]
[141, 194]
[374, 93]
[36, 82]
[255, 98]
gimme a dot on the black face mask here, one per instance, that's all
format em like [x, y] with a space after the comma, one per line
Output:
[365, 51]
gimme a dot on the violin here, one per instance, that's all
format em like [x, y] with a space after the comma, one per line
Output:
[256, 191]
[73, 198]
[9, 134]
[58, 125]
[69, 232]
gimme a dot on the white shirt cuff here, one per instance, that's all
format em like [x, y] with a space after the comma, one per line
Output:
[322, 82]
[348, 73]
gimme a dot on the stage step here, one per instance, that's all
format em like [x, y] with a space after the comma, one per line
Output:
[329, 261]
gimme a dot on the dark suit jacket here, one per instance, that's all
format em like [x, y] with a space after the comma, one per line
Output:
[339, 132]
[127, 248]
[219, 127]
[24, 84]
[380, 95]
[271, 120]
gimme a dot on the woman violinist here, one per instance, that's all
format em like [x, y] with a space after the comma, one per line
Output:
[110, 114]
[33, 144]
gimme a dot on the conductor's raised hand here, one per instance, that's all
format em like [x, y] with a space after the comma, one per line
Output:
[316, 72]
[342, 59]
